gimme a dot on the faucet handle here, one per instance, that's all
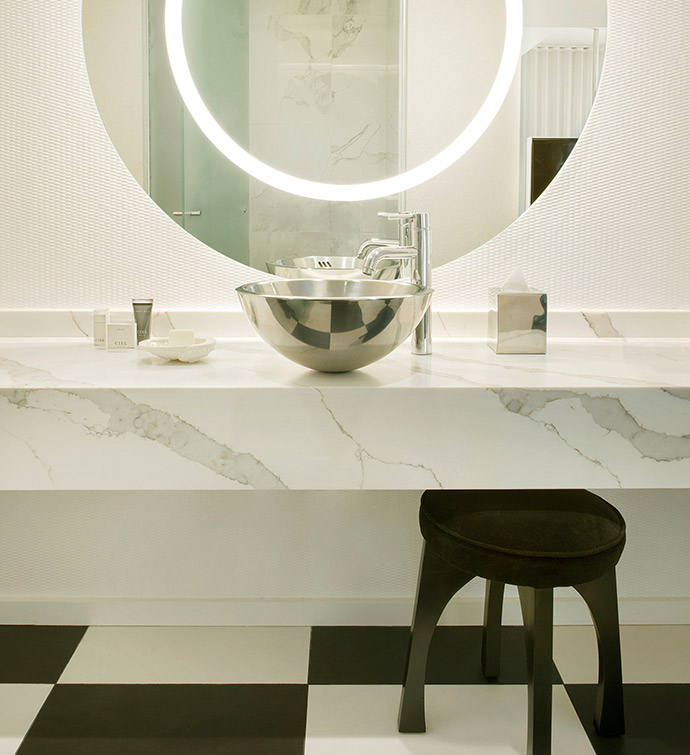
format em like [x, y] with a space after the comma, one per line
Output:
[405, 217]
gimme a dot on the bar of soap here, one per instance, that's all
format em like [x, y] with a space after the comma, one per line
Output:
[180, 337]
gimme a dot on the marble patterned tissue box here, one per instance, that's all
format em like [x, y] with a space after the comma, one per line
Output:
[517, 322]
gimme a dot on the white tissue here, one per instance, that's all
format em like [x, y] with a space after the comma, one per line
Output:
[516, 283]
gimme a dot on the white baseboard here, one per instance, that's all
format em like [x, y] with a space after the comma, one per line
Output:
[568, 611]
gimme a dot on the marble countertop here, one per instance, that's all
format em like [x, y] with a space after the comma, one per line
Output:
[592, 412]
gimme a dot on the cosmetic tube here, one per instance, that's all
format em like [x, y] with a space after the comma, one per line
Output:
[142, 317]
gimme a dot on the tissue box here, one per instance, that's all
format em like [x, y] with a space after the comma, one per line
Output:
[517, 322]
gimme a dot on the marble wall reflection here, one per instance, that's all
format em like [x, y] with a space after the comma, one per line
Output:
[324, 106]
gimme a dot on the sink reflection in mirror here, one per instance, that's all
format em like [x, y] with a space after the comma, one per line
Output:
[333, 267]
[334, 325]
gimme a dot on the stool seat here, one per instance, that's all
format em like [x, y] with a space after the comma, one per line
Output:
[536, 538]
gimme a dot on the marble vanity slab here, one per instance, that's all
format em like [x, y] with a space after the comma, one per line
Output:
[592, 412]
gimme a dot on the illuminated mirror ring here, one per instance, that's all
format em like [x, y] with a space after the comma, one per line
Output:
[342, 192]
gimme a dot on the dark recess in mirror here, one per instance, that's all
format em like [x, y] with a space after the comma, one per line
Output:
[548, 156]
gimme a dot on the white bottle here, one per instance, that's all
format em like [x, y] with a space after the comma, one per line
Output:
[122, 332]
[100, 321]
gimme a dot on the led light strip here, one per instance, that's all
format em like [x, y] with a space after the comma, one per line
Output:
[342, 192]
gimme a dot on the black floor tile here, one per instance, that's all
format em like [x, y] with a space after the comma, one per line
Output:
[190, 719]
[357, 655]
[376, 655]
[36, 654]
[455, 657]
[657, 719]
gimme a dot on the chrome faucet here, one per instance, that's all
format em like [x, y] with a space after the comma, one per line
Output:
[414, 244]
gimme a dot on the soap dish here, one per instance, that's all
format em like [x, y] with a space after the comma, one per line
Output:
[193, 352]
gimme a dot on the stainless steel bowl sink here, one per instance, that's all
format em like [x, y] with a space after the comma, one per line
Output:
[334, 325]
[332, 267]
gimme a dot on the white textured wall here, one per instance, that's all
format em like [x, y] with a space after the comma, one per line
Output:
[611, 232]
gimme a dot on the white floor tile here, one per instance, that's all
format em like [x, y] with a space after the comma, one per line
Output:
[463, 720]
[575, 654]
[19, 704]
[651, 654]
[190, 655]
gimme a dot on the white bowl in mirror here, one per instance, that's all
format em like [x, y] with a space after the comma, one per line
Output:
[193, 352]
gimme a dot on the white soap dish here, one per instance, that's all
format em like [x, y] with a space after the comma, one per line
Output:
[192, 352]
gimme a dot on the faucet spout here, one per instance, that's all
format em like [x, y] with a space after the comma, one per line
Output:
[369, 244]
[378, 254]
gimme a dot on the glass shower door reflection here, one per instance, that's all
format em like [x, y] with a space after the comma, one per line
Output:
[207, 196]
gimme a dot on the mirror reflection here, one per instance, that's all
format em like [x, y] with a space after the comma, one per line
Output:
[342, 91]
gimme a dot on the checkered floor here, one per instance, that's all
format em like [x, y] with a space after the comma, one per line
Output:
[318, 691]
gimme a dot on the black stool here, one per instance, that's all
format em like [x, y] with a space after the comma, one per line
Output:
[537, 540]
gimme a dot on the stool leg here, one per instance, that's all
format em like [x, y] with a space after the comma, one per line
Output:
[537, 612]
[438, 582]
[602, 600]
[491, 636]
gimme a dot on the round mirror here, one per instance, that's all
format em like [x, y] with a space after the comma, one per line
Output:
[342, 92]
